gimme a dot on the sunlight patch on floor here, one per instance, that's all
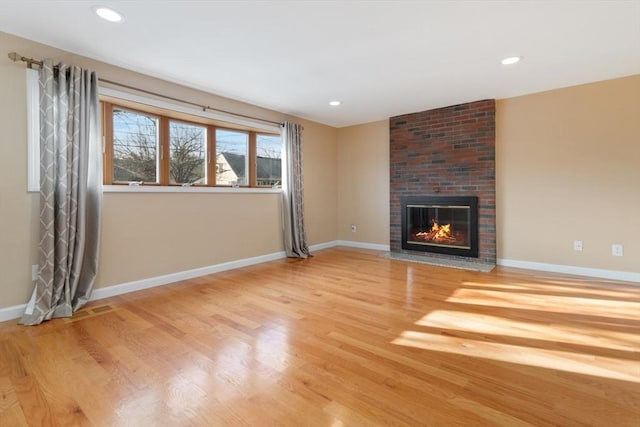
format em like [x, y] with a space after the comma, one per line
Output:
[552, 333]
[548, 303]
[612, 368]
[568, 288]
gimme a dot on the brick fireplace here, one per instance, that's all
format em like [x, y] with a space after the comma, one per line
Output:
[443, 153]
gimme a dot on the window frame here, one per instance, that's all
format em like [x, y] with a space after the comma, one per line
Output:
[255, 158]
[207, 152]
[107, 126]
[251, 169]
[164, 117]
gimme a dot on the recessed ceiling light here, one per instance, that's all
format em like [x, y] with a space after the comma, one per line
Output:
[335, 103]
[511, 60]
[107, 14]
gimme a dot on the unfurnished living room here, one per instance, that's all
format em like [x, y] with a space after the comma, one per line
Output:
[320, 213]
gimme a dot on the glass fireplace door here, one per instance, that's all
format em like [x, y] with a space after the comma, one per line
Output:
[441, 224]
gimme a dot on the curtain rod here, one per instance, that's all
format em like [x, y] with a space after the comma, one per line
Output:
[15, 57]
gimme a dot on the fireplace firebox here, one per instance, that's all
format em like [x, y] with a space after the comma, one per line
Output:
[440, 224]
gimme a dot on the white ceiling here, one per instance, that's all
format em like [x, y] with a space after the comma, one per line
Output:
[380, 58]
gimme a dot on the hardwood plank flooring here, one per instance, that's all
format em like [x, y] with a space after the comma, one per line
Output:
[346, 338]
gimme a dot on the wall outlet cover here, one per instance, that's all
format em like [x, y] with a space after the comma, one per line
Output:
[617, 250]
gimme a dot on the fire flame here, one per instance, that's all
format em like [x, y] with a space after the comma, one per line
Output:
[438, 233]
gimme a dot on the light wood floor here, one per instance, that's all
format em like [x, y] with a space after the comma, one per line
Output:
[346, 338]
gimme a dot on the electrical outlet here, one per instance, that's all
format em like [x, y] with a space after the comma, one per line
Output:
[616, 250]
[577, 245]
[353, 228]
[34, 272]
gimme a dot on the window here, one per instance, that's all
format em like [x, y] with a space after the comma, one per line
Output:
[187, 153]
[135, 147]
[268, 160]
[232, 156]
[149, 146]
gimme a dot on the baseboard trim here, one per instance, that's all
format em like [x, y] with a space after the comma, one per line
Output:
[325, 245]
[190, 274]
[13, 312]
[152, 282]
[363, 245]
[626, 276]
[16, 311]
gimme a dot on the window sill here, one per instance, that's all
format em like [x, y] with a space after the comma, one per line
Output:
[177, 189]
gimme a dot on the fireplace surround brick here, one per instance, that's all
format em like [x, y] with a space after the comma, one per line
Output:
[446, 152]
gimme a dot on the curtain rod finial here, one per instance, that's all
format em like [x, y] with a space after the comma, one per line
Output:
[16, 57]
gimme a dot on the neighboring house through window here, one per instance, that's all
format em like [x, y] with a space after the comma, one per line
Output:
[231, 168]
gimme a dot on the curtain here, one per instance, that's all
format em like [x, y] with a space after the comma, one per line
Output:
[70, 192]
[295, 239]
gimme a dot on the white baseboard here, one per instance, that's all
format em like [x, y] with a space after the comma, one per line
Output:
[16, 311]
[569, 269]
[151, 282]
[324, 245]
[350, 244]
[13, 312]
[363, 245]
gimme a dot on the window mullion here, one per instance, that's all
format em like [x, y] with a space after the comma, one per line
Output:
[211, 156]
[252, 159]
[164, 150]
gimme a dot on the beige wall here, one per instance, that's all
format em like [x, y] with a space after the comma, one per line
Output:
[151, 234]
[18, 209]
[363, 182]
[568, 168]
[320, 182]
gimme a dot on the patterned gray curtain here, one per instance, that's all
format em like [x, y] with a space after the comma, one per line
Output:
[295, 239]
[70, 192]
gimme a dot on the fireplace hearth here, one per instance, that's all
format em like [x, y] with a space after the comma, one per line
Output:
[440, 224]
